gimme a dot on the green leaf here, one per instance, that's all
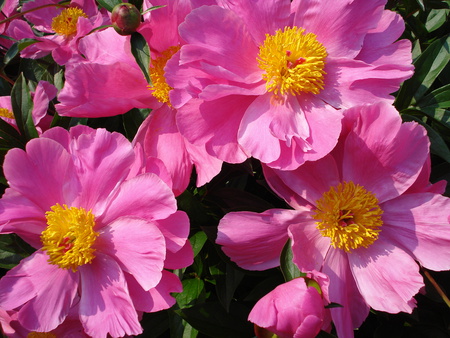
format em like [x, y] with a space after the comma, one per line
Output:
[11, 53]
[436, 18]
[288, 268]
[132, 121]
[22, 106]
[428, 66]
[439, 98]
[10, 135]
[193, 292]
[24, 43]
[226, 282]
[109, 4]
[141, 52]
[197, 241]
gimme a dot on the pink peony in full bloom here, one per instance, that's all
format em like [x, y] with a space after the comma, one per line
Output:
[104, 233]
[294, 309]
[365, 215]
[109, 82]
[41, 97]
[62, 26]
[267, 78]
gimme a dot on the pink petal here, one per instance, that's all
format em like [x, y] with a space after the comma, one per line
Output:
[386, 166]
[309, 247]
[145, 196]
[105, 304]
[21, 216]
[199, 121]
[45, 290]
[175, 229]
[103, 159]
[387, 277]
[309, 181]
[45, 92]
[419, 224]
[344, 291]
[290, 308]
[258, 244]
[164, 141]
[234, 51]
[158, 298]
[45, 173]
[96, 90]
[340, 28]
[180, 259]
[137, 245]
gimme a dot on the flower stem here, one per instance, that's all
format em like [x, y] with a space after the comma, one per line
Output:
[18, 15]
[437, 287]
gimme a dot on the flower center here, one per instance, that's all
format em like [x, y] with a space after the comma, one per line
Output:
[160, 87]
[4, 112]
[41, 335]
[293, 62]
[66, 22]
[349, 215]
[69, 236]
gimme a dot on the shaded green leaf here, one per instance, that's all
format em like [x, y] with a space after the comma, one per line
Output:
[288, 268]
[22, 106]
[197, 241]
[427, 67]
[141, 52]
[193, 292]
[11, 53]
[108, 4]
[132, 121]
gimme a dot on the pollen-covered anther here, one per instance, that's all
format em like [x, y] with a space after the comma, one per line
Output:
[293, 62]
[66, 22]
[349, 215]
[160, 89]
[4, 112]
[69, 237]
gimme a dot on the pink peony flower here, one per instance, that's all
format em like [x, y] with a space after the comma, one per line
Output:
[364, 215]
[294, 309]
[103, 234]
[109, 82]
[267, 78]
[63, 27]
[44, 93]
[9, 8]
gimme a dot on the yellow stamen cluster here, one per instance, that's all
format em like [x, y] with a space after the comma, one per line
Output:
[66, 22]
[293, 62]
[69, 236]
[349, 215]
[4, 112]
[160, 87]
[41, 335]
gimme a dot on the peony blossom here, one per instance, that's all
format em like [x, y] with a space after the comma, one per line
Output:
[365, 215]
[63, 26]
[9, 8]
[104, 233]
[266, 79]
[109, 82]
[294, 309]
[41, 97]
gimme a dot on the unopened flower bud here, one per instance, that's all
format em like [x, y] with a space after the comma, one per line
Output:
[125, 18]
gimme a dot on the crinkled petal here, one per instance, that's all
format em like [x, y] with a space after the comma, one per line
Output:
[180, 259]
[137, 245]
[387, 277]
[344, 291]
[419, 224]
[45, 173]
[105, 305]
[175, 229]
[45, 290]
[158, 298]
[384, 165]
[145, 196]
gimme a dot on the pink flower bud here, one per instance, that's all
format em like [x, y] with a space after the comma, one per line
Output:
[125, 18]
